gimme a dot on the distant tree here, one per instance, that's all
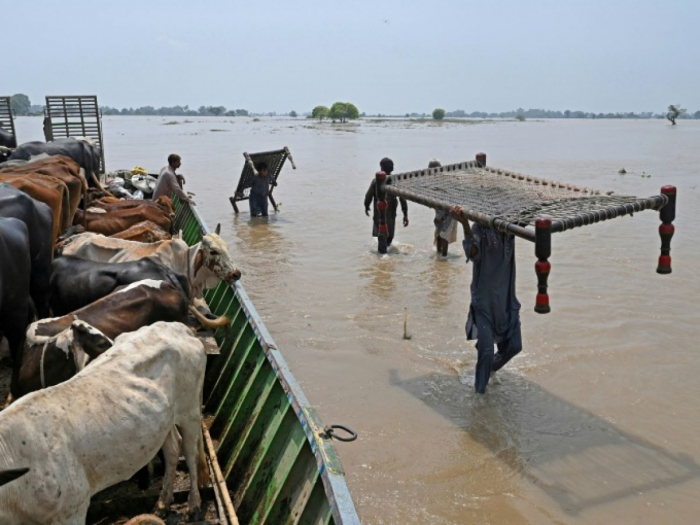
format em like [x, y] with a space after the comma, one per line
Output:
[438, 114]
[520, 117]
[343, 111]
[242, 113]
[20, 104]
[696, 114]
[230, 113]
[203, 111]
[320, 112]
[351, 111]
[217, 111]
[407, 115]
[674, 111]
[567, 113]
[293, 113]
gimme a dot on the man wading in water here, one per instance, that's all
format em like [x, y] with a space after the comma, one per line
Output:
[259, 190]
[387, 166]
[494, 312]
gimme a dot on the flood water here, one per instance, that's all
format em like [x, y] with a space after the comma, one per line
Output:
[596, 421]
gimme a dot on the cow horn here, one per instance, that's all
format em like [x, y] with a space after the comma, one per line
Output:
[218, 229]
[12, 474]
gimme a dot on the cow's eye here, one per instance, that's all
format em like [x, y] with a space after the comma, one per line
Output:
[214, 252]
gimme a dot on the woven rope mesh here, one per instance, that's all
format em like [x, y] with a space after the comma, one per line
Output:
[512, 197]
[274, 161]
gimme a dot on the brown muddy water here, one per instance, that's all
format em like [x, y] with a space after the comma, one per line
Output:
[597, 421]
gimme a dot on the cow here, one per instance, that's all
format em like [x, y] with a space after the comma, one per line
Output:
[205, 263]
[81, 150]
[76, 282]
[46, 360]
[38, 218]
[60, 167]
[63, 445]
[15, 303]
[144, 231]
[54, 181]
[162, 203]
[113, 221]
[7, 139]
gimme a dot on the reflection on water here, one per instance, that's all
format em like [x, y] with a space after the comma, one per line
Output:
[577, 458]
[596, 421]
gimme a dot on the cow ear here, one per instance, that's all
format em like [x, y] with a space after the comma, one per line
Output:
[218, 229]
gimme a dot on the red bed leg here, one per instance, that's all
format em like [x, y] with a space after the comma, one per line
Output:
[543, 249]
[666, 230]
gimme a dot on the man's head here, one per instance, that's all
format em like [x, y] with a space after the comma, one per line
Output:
[386, 165]
[174, 160]
[261, 167]
[434, 163]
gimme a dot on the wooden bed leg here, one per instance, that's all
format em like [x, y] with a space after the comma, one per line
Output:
[481, 159]
[272, 201]
[233, 203]
[543, 249]
[666, 230]
[382, 207]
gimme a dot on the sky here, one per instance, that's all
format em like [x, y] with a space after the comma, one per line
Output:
[389, 56]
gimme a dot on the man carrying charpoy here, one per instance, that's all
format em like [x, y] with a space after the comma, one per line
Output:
[259, 191]
[170, 182]
[494, 312]
[387, 166]
[445, 226]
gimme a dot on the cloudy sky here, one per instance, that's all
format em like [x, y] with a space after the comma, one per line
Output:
[390, 56]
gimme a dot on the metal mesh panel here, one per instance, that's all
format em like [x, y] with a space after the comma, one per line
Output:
[7, 122]
[74, 116]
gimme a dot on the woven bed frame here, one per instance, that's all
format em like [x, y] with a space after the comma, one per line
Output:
[511, 203]
[274, 160]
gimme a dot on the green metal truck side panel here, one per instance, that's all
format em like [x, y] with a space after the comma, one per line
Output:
[279, 465]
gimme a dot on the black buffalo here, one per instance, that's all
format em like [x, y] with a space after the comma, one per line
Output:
[76, 283]
[81, 151]
[7, 143]
[15, 309]
[38, 218]
[7, 139]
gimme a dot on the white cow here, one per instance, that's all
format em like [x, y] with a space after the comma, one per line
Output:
[100, 427]
[205, 263]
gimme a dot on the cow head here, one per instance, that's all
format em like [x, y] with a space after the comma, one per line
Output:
[164, 203]
[217, 258]
[87, 342]
[69, 349]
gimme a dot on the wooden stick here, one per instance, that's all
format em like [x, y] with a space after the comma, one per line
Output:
[220, 482]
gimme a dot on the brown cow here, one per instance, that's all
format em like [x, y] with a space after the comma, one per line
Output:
[162, 203]
[60, 167]
[119, 219]
[49, 357]
[51, 192]
[55, 181]
[145, 231]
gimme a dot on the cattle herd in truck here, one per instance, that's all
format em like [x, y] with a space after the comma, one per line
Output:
[100, 301]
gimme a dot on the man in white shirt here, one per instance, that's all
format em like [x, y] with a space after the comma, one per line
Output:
[170, 182]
